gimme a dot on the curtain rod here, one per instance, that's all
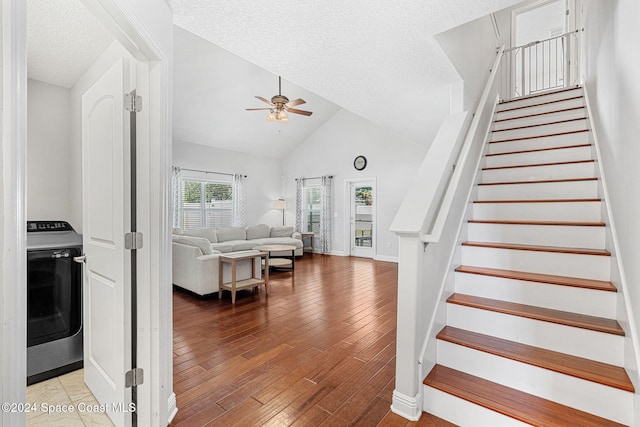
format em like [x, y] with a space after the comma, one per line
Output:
[219, 173]
[315, 177]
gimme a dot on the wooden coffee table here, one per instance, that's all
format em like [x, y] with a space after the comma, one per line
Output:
[279, 261]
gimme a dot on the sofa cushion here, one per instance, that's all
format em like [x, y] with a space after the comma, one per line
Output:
[231, 233]
[199, 242]
[222, 247]
[242, 245]
[207, 233]
[176, 231]
[259, 231]
[281, 231]
[279, 241]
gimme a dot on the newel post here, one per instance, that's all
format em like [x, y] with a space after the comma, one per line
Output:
[407, 396]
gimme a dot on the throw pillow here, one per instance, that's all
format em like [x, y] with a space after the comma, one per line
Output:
[281, 231]
[176, 231]
[200, 242]
[259, 231]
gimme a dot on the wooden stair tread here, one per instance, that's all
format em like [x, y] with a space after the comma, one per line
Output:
[541, 124]
[579, 367]
[510, 402]
[547, 135]
[576, 282]
[563, 147]
[540, 181]
[539, 114]
[540, 201]
[598, 324]
[518, 222]
[537, 95]
[541, 104]
[537, 248]
[539, 164]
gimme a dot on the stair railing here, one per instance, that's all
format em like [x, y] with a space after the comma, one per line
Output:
[427, 225]
[538, 66]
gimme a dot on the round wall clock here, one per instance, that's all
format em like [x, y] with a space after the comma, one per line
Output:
[360, 163]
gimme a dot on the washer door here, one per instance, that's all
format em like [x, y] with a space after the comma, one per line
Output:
[54, 286]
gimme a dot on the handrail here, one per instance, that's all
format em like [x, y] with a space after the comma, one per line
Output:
[436, 232]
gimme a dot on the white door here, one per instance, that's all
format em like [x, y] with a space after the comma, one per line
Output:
[107, 276]
[362, 235]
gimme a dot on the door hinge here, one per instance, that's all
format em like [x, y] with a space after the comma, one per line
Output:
[133, 240]
[133, 377]
[132, 103]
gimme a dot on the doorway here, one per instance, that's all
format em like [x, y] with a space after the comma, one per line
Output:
[362, 218]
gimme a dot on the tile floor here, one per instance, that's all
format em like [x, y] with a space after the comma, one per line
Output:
[68, 389]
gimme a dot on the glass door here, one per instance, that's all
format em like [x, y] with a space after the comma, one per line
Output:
[362, 219]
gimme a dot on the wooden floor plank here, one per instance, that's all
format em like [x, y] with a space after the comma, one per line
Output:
[280, 358]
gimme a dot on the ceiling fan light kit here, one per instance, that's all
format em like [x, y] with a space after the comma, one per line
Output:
[280, 105]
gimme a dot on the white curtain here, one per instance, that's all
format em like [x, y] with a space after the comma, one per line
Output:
[176, 196]
[299, 202]
[239, 200]
[326, 196]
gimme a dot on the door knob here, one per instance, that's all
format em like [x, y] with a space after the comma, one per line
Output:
[80, 259]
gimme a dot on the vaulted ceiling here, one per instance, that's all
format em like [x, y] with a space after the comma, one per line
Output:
[377, 59]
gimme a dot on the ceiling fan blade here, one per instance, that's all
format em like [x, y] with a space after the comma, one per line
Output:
[295, 102]
[264, 100]
[256, 109]
[303, 112]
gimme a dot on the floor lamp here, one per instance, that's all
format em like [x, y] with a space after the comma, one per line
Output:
[280, 204]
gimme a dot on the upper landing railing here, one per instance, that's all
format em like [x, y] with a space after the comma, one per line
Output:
[538, 66]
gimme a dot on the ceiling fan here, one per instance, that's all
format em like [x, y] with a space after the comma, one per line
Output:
[280, 106]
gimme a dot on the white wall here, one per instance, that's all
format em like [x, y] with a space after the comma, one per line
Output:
[49, 152]
[264, 176]
[471, 47]
[611, 37]
[391, 159]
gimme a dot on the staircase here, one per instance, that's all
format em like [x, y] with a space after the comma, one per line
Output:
[531, 335]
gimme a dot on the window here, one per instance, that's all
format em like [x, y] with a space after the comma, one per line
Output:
[312, 209]
[206, 204]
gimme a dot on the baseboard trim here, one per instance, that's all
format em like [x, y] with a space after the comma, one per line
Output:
[409, 407]
[338, 253]
[387, 258]
[173, 409]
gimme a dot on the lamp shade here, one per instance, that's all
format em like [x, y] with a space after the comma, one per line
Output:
[279, 204]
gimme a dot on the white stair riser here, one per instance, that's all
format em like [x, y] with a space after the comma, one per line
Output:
[560, 264]
[599, 346]
[537, 109]
[537, 173]
[540, 190]
[536, 120]
[527, 132]
[587, 396]
[556, 297]
[462, 412]
[585, 237]
[542, 211]
[536, 157]
[552, 96]
[566, 140]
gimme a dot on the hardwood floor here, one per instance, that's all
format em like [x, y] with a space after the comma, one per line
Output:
[317, 352]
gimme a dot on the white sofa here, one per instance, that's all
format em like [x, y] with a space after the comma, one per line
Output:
[195, 253]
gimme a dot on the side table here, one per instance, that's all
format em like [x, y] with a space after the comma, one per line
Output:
[252, 282]
[307, 247]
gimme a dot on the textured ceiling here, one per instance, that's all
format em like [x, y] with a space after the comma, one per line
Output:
[63, 40]
[375, 58]
[212, 88]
